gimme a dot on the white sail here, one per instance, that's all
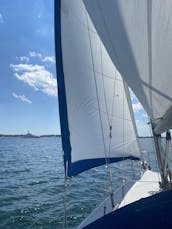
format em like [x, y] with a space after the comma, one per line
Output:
[94, 101]
[138, 37]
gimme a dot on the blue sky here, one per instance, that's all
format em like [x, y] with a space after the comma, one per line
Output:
[28, 89]
[141, 117]
[27, 71]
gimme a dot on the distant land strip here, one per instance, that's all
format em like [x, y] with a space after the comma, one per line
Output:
[29, 135]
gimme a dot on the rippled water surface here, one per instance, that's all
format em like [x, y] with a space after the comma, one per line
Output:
[32, 185]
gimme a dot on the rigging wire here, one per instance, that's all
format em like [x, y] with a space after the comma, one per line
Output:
[66, 180]
[100, 118]
[110, 123]
[104, 93]
[123, 136]
[64, 206]
[107, 155]
[96, 87]
[65, 203]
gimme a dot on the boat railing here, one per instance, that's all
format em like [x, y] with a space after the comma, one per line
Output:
[106, 207]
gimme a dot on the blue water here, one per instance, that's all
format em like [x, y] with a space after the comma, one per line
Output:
[32, 184]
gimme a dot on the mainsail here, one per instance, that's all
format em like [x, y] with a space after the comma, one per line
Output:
[97, 123]
[137, 35]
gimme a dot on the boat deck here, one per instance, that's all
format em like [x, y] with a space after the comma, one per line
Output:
[145, 187]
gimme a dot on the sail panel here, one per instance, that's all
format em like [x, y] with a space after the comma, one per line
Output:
[97, 112]
[137, 35]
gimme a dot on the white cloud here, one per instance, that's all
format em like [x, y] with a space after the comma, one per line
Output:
[133, 97]
[143, 128]
[22, 98]
[26, 67]
[23, 58]
[140, 116]
[137, 107]
[35, 54]
[49, 59]
[36, 76]
[135, 102]
[1, 19]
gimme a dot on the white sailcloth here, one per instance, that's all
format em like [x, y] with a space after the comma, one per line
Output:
[100, 118]
[138, 37]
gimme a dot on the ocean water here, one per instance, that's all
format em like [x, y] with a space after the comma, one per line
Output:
[32, 183]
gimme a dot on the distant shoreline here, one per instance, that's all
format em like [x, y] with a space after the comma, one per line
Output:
[30, 136]
[42, 136]
[146, 137]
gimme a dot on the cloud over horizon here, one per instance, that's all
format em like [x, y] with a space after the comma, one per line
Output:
[22, 98]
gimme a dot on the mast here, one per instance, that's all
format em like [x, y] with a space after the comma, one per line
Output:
[163, 157]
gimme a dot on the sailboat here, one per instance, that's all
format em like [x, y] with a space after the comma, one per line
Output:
[103, 48]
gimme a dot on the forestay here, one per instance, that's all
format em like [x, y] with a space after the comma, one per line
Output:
[138, 37]
[95, 111]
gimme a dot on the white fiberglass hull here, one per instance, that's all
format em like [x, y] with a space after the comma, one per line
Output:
[145, 187]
